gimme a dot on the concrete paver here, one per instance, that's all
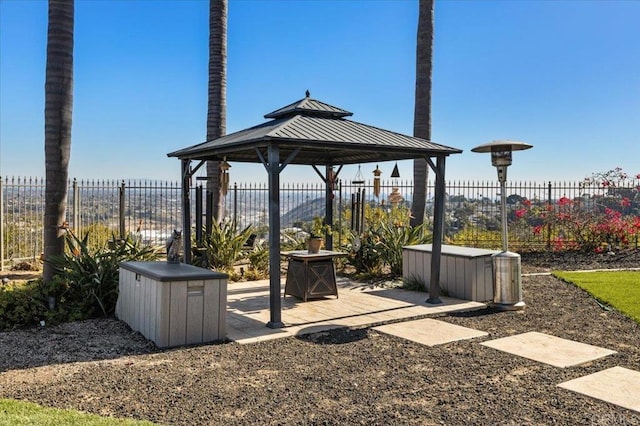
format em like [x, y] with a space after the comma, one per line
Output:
[617, 385]
[548, 349]
[430, 332]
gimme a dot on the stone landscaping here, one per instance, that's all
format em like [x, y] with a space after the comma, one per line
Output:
[342, 376]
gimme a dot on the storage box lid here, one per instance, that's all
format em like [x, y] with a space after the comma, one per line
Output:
[454, 250]
[163, 271]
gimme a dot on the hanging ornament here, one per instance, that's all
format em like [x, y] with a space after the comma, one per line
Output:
[359, 179]
[331, 179]
[376, 181]
[395, 173]
[224, 176]
[395, 197]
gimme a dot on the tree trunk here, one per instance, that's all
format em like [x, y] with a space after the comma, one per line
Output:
[217, 109]
[57, 125]
[422, 111]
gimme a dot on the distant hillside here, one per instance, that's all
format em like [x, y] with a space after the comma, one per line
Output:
[304, 212]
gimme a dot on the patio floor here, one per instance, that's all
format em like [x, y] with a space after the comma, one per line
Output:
[358, 305]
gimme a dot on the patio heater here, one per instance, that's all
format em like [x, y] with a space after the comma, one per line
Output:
[507, 285]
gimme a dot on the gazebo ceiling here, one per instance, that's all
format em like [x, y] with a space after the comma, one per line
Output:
[321, 133]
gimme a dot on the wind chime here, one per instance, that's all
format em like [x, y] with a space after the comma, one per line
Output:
[224, 176]
[358, 179]
[357, 203]
[376, 181]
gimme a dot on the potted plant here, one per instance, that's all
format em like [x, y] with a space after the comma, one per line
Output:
[314, 243]
[318, 230]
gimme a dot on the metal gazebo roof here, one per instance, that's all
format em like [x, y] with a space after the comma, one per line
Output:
[323, 134]
[312, 132]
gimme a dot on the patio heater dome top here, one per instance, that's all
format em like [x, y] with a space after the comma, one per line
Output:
[501, 153]
[502, 145]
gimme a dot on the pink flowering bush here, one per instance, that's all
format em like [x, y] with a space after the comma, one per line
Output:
[608, 219]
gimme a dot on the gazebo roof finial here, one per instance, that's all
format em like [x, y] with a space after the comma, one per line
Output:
[307, 94]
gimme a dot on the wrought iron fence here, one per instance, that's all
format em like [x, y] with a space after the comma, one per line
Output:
[109, 209]
[105, 209]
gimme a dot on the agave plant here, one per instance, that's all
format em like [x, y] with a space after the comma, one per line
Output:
[88, 278]
[222, 247]
[379, 248]
[396, 237]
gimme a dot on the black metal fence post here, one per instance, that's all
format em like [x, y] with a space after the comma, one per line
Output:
[361, 210]
[121, 210]
[209, 212]
[199, 214]
[75, 207]
[328, 206]
[340, 214]
[1, 227]
[549, 223]
[235, 203]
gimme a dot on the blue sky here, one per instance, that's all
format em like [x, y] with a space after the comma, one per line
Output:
[561, 75]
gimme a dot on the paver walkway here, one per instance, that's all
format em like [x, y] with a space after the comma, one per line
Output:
[356, 306]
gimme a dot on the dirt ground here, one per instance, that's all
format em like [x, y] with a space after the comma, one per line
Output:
[354, 376]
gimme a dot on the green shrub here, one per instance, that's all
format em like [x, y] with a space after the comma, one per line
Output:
[86, 279]
[222, 247]
[21, 304]
[475, 236]
[259, 261]
[21, 237]
[398, 236]
[364, 253]
[99, 234]
[379, 248]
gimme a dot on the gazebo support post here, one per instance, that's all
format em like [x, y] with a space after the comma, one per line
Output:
[438, 227]
[186, 210]
[328, 205]
[275, 301]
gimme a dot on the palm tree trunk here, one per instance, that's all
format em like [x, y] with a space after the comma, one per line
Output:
[217, 109]
[422, 111]
[57, 125]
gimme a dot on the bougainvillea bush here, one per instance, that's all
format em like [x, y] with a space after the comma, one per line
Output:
[605, 218]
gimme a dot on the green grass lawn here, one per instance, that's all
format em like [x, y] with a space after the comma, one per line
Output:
[618, 289]
[18, 413]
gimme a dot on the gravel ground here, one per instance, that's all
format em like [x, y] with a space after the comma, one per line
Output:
[356, 376]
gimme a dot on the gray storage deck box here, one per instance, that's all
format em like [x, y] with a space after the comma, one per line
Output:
[465, 272]
[173, 304]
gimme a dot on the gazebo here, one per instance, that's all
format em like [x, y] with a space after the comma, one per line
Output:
[311, 132]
